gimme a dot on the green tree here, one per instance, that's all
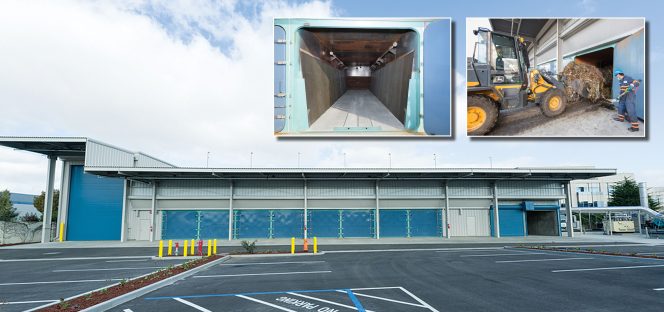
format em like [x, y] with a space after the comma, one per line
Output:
[38, 202]
[625, 193]
[7, 210]
[654, 204]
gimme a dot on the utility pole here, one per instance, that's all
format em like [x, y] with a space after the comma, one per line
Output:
[207, 162]
[389, 156]
[435, 165]
[251, 160]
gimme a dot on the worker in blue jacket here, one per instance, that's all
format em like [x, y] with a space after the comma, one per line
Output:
[627, 99]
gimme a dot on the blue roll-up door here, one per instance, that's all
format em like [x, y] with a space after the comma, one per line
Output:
[95, 206]
[511, 220]
[323, 223]
[287, 223]
[179, 224]
[213, 224]
[357, 223]
[629, 56]
[425, 223]
[394, 223]
[437, 81]
[252, 224]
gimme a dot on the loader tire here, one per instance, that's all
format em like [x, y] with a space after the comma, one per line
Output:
[482, 115]
[553, 103]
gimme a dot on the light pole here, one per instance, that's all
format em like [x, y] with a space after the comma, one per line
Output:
[251, 160]
[207, 162]
[435, 165]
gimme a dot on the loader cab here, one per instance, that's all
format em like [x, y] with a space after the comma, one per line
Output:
[497, 59]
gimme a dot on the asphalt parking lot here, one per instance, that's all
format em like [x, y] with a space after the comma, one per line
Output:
[481, 278]
[30, 278]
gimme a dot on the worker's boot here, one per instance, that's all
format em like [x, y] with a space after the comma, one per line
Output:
[620, 118]
[634, 127]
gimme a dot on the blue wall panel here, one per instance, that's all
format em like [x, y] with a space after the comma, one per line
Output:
[425, 222]
[252, 224]
[95, 206]
[213, 224]
[358, 223]
[511, 220]
[629, 57]
[393, 223]
[437, 86]
[323, 223]
[287, 223]
[179, 224]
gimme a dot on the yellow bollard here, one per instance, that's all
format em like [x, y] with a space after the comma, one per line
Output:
[191, 251]
[161, 249]
[185, 249]
[292, 245]
[62, 231]
[170, 247]
[214, 246]
[315, 244]
[209, 248]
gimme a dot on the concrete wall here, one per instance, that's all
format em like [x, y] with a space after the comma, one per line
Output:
[20, 232]
[324, 84]
[390, 85]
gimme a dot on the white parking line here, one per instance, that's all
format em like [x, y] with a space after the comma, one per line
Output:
[478, 250]
[658, 288]
[52, 253]
[193, 305]
[326, 301]
[61, 282]
[270, 263]
[505, 254]
[107, 269]
[265, 303]
[419, 300]
[26, 302]
[137, 260]
[611, 268]
[385, 299]
[260, 274]
[408, 249]
[127, 310]
[75, 258]
[542, 260]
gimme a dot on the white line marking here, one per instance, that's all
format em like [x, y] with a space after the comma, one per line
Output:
[604, 245]
[386, 299]
[375, 288]
[259, 274]
[137, 260]
[25, 302]
[492, 249]
[658, 288]
[418, 299]
[265, 303]
[78, 258]
[650, 253]
[505, 254]
[269, 263]
[542, 260]
[127, 310]
[62, 282]
[326, 301]
[612, 268]
[109, 269]
[409, 249]
[52, 253]
[193, 305]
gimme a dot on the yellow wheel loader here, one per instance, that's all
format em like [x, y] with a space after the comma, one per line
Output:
[500, 78]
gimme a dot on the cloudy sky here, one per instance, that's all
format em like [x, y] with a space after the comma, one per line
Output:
[177, 79]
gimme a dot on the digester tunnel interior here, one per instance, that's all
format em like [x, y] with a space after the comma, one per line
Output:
[357, 79]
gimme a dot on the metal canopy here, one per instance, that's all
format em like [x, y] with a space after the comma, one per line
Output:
[50, 146]
[560, 174]
[528, 28]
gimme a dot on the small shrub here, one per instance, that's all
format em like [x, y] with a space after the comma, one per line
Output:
[63, 304]
[249, 247]
[30, 217]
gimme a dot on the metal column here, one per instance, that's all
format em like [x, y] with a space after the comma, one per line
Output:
[377, 217]
[48, 200]
[568, 209]
[643, 196]
[153, 211]
[123, 229]
[496, 218]
[306, 206]
[63, 206]
[230, 212]
[559, 51]
[447, 211]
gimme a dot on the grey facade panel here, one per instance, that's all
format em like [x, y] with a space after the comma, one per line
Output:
[530, 189]
[412, 203]
[348, 188]
[268, 204]
[98, 154]
[470, 203]
[193, 188]
[267, 188]
[599, 32]
[461, 188]
[139, 204]
[469, 222]
[341, 203]
[192, 203]
[411, 188]
[140, 189]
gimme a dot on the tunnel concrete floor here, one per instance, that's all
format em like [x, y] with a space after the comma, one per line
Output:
[357, 110]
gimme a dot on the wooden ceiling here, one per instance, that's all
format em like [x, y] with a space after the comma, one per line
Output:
[356, 47]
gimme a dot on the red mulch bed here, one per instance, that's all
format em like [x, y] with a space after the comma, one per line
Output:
[106, 294]
[594, 252]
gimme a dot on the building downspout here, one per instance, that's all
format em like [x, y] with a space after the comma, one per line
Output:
[377, 217]
[153, 221]
[123, 228]
[230, 212]
[568, 208]
[447, 211]
[306, 207]
[48, 200]
[496, 219]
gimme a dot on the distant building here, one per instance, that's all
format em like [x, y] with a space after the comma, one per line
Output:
[595, 192]
[23, 204]
[657, 193]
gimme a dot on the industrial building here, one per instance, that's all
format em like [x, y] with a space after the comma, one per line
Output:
[109, 193]
[607, 43]
[349, 76]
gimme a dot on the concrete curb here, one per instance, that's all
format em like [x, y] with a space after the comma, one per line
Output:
[276, 255]
[106, 305]
[176, 258]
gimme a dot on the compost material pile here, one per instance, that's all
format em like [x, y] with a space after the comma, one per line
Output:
[584, 81]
